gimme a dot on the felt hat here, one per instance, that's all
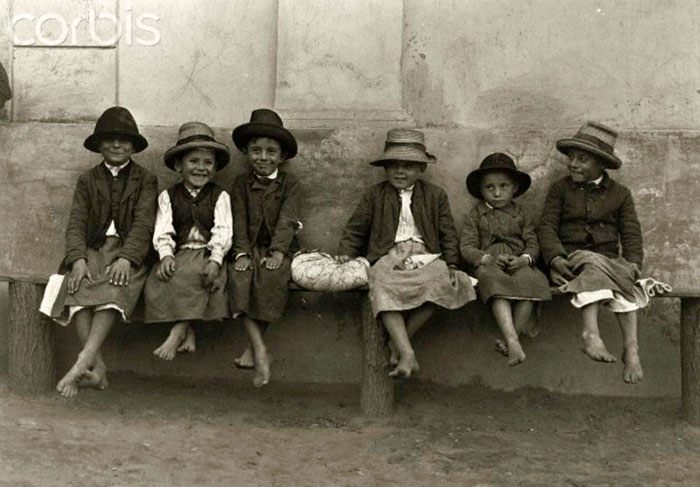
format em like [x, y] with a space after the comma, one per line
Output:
[595, 138]
[196, 135]
[265, 123]
[404, 145]
[116, 121]
[497, 162]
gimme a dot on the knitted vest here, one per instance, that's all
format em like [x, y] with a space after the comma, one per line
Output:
[189, 211]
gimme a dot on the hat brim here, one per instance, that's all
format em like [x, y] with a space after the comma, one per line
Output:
[428, 159]
[565, 145]
[243, 133]
[474, 180]
[221, 152]
[92, 143]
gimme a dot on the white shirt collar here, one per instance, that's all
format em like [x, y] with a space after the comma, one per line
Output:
[116, 169]
[408, 191]
[271, 176]
[597, 181]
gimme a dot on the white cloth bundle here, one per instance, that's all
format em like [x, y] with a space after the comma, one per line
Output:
[318, 271]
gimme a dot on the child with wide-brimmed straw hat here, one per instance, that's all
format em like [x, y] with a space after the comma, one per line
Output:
[404, 227]
[499, 242]
[591, 239]
[193, 234]
[107, 239]
[266, 204]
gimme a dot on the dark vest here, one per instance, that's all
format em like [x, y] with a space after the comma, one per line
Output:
[189, 211]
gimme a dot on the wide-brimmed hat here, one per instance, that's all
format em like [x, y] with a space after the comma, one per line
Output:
[265, 123]
[595, 138]
[497, 162]
[196, 135]
[116, 121]
[404, 145]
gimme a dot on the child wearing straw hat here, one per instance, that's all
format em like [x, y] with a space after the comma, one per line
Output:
[404, 227]
[266, 202]
[499, 241]
[591, 239]
[107, 239]
[193, 233]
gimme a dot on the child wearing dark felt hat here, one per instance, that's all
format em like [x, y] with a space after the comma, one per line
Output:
[404, 227]
[266, 204]
[592, 241]
[193, 233]
[499, 241]
[107, 239]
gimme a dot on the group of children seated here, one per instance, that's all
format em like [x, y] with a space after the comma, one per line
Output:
[225, 253]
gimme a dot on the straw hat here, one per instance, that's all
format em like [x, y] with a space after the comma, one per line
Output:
[116, 121]
[595, 138]
[404, 145]
[196, 135]
[265, 123]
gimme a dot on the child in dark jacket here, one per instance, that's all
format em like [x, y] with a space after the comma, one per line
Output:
[499, 240]
[107, 239]
[591, 238]
[405, 229]
[266, 204]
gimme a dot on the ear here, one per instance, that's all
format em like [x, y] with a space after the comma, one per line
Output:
[178, 164]
[423, 167]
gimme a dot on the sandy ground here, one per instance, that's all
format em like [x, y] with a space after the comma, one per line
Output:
[152, 433]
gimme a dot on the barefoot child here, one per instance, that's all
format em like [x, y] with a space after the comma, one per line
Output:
[192, 235]
[591, 238]
[266, 204]
[404, 227]
[107, 238]
[500, 242]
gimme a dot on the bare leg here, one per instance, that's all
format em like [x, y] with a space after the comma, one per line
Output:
[97, 376]
[593, 345]
[102, 323]
[632, 372]
[415, 321]
[189, 344]
[504, 317]
[262, 359]
[168, 349]
[394, 323]
[522, 311]
[246, 360]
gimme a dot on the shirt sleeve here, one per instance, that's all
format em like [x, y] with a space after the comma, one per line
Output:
[222, 232]
[164, 232]
[548, 230]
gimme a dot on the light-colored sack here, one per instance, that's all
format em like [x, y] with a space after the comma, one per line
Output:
[318, 271]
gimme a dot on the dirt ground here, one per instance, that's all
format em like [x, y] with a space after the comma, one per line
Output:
[158, 433]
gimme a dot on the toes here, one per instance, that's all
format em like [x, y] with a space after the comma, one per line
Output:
[501, 347]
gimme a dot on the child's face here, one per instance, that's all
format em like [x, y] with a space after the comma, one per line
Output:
[265, 155]
[584, 166]
[403, 174]
[498, 188]
[116, 150]
[197, 167]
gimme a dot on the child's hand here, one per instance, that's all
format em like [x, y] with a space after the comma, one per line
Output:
[242, 263]
[487, 259]
[211, 271]
[342, 259]
[118, 272]
[515, 263]
[502, 261]
[78, 272]
[562, 266]
[166, 268]
[273, 261]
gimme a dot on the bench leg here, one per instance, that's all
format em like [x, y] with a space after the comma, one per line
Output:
[32, 365]
[377, 397]
[690, 359]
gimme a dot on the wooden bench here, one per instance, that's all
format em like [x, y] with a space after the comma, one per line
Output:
[32, 362]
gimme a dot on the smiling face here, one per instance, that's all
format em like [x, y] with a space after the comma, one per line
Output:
[498, 188]
[584, 166]
[265, 155]
[116, 150]
[197, 167]
[403, 174]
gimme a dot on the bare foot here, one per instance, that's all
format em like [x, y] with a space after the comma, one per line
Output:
[246, 360]
[68, 385]
[515, 353]
[501, 348]
[406, 366]
[95, 378]
[188, 344]
[632, 372]
[262, 369]
[169, 347]
[594, 347]
[393, 354]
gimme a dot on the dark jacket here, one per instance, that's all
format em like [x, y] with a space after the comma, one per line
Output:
[371, 230]
[91, 212]
[600, 219]
[281, 203]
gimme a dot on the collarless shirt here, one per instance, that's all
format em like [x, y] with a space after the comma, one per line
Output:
[114, 171]
[407, 229]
